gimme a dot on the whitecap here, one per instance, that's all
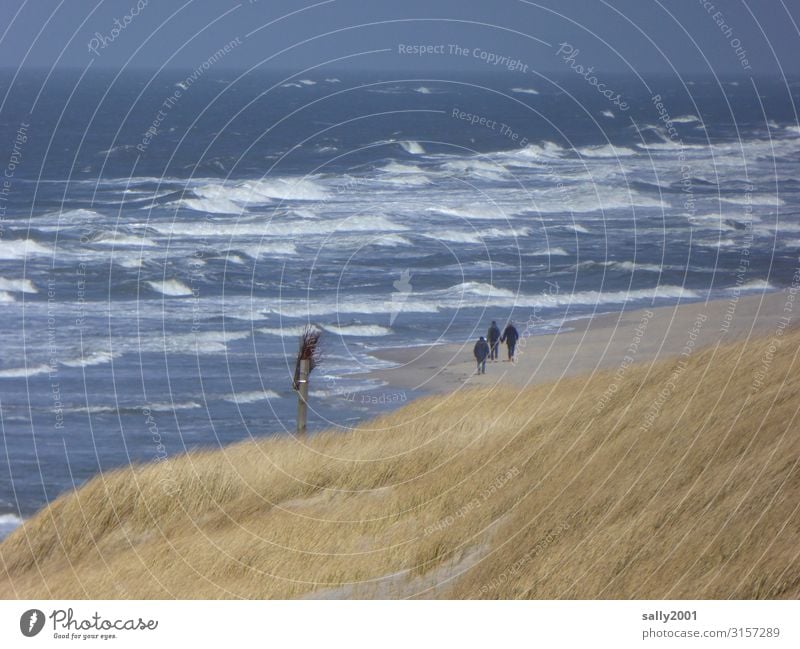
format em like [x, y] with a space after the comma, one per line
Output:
[252, 396]
[171, 287]
[17, 286]
[358, 330]
[412, 147]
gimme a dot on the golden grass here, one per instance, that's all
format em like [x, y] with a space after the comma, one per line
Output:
[492, 493]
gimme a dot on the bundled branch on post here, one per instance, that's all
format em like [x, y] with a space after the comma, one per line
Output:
[307, 358]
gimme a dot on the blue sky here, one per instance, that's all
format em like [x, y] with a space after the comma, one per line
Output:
[614, 36]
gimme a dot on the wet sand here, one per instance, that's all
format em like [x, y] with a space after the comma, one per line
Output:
[585, 346]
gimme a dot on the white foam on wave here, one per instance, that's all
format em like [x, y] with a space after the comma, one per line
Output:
[576, 228]
[122, 240]
[608, 113]
[95, 358]
[20, 372]
[628, 266]
[477, 288]
[365, 306]
[475, 168]
[169, 406]
[252, 396]
[8, 523]
[477, 236]
[753, 285]
[525, 91]
[686, 119]
[17, 286]
[233, 198]
[480, 212]
[423, 90]
[366, 331]
[283, 332]
[412, 147]
[6, 297]
[171, 287]
[390, 241]
[605, 151]
[211, 205]
[21, 249]
[549, 252]
[279, 227]
[282, 248]
[199, 342]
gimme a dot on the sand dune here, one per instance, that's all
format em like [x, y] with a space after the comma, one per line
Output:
[681, 481]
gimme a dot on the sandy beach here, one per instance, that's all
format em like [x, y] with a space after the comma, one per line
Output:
[588, 345]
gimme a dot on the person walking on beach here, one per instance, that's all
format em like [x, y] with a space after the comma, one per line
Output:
[494, 341]
[510, 337]
[481, 351]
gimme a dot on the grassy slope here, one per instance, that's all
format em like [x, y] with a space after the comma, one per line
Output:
[584, 505]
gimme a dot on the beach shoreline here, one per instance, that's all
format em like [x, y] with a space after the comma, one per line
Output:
[585, 345]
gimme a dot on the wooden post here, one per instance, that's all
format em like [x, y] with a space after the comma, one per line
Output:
[302, 396]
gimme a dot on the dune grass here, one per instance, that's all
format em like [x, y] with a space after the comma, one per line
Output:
[682, 481]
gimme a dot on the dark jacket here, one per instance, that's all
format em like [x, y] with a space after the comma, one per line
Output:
[481, 350]
[510, 335]
[494, 334]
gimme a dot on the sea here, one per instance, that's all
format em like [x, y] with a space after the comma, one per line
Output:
[166, 237]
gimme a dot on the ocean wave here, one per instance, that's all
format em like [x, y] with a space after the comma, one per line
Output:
[472, 167]
[171, 287]
[627, 266]
[284, 332]
[574, 227]
[480, 212]
[366, 331]
[753, 285]
[605, 151]
[6, 297]
[17, 286]
[609, 114]
[95, 358]
[22, 249]
[199, 342]
[252, 396]
[8, 523]
[525, 91]
[285, 248]
[549, 252]
[121, 240]
[477, 236]
[20, 372]
[412, 147]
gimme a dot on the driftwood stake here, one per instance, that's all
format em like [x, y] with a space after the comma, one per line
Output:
[302, 396]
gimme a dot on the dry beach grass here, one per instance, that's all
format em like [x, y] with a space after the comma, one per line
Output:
[682, 483]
